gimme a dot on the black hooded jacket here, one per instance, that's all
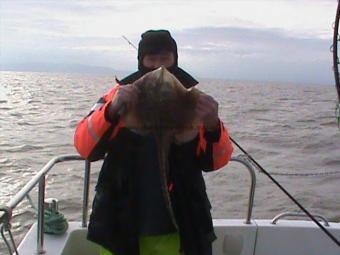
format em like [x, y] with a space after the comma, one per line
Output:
[128, 201]
[114, 221]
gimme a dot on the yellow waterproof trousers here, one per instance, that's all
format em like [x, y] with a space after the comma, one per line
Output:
[155, 245]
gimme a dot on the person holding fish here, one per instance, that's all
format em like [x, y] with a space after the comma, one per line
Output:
[157, 133]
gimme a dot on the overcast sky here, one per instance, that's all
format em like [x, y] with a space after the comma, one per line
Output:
[253, 40]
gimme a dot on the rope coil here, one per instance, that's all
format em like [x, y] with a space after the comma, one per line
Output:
[54, 222]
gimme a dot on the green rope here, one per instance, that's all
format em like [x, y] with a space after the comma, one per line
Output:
[54, 222]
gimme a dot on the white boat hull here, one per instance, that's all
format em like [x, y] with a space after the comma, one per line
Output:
[234, 237]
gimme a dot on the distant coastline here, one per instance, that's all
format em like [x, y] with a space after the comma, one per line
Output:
[100, 70]
[61, 68]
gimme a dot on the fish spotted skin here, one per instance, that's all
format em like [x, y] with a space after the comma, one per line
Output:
[166, 110]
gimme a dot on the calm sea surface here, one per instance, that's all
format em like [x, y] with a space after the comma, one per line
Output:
[287, 128]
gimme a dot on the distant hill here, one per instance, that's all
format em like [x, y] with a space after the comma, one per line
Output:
[61, 68]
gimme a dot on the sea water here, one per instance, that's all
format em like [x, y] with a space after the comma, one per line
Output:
[288, 128]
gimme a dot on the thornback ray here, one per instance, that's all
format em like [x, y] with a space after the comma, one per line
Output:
[166, 110]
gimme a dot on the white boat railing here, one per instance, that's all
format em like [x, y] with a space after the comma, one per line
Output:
[301, 215]
[40, 179]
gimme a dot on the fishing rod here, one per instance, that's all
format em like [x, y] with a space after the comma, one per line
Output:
[129, 42]
[336, 61]
[286, 192]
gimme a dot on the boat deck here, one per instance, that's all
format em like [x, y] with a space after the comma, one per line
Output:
[235, 237]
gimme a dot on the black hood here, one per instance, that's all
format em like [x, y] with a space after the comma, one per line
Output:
[155, 42]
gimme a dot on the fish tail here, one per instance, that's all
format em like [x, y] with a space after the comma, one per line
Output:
[163, 144]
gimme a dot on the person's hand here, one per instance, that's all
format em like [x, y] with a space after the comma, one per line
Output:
[207, 111]
[124, 99]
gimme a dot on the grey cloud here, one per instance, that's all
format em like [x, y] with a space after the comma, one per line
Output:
[216, 52]
[76, 6]
[255, 54]
[250, 39]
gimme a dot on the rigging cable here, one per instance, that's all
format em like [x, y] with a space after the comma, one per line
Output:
[287, 193]
[306, 174]
[336, 61]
